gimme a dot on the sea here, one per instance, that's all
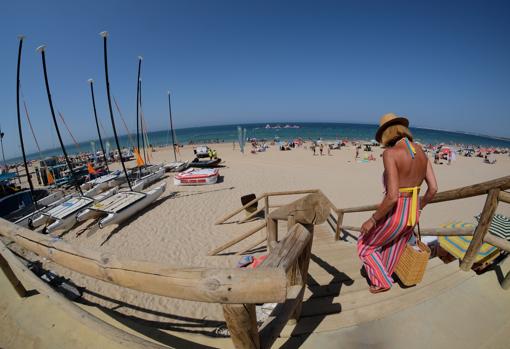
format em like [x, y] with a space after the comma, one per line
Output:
[274, 131]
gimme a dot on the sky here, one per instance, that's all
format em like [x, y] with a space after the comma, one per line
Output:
[443, 64]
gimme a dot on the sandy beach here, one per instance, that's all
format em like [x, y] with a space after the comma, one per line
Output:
[179, 229]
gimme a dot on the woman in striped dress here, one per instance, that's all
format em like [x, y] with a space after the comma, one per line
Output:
[385, 234]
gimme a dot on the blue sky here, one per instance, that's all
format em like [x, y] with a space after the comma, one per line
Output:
[445, 65]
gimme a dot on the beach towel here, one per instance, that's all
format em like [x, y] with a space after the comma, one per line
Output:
[458, 245]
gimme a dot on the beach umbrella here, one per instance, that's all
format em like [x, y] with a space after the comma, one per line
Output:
[458, 245]
[500, 226]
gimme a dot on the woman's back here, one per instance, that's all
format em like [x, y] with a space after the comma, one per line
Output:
[411, 172]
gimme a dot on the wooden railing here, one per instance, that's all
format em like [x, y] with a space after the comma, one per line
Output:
[494, 190]
[281, 278]
[266, 208]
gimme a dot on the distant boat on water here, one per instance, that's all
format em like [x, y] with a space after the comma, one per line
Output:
[286, 126]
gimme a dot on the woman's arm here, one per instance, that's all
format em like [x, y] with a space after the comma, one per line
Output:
[391, 197]
[430, 178]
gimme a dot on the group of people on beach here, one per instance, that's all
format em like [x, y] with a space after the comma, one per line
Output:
[322, 149]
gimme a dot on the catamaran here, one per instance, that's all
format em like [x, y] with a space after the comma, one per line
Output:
[63, 215]
[31, 203]
[110, 179]
[122, 205]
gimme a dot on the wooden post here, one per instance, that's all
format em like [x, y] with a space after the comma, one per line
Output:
[291, 220]
[242, 323]
[18, 286]
[272, 233]
[481, 230]
[266, 207]
[339, 221]
[303, 263]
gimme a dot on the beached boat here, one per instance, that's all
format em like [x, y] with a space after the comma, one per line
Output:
[63, 215]
[125, 204]
[102, 183]
[204, 163]
[176, 166]
[149, 178]
[120, 206]
[194, 176]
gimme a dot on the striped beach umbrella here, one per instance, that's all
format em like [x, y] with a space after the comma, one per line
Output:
[500, 226]
[458, 245]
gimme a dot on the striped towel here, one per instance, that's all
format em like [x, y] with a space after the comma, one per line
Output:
[500, 226]
[458, 245]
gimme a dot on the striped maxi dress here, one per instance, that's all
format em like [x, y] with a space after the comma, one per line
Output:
[381, 247]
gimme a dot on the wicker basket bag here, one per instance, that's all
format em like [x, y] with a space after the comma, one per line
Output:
[413, 262]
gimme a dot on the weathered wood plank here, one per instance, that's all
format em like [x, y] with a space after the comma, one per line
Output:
[233, 213]
[271, 328]
[9, 273]
[286, 253]
[502, 183]
[272, 233]
[242, 324]
[481, 230]
[311, 209]
[216, 285]
[504, 196]
[237, 239]
[497, 242]
[252, 246]
[251, 215]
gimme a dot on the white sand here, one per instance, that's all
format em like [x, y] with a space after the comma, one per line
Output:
[179, 229]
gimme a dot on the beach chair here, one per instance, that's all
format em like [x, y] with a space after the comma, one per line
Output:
[457, 246]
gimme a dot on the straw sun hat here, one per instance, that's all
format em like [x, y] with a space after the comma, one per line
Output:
[388, 120]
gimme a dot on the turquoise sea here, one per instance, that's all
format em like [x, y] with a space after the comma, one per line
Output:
[307, 131]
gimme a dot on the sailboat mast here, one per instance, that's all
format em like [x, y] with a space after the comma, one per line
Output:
[105, 36]
[143, 129]
[68, 162]
[91, 82]
[172, 126]
[30, 184]
[138, 104]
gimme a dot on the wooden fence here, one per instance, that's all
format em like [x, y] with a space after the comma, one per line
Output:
[281, 278]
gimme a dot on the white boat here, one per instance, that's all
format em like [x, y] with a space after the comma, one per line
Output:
[176, 166]
[146, 180]
[197, 176]
[63, 215]
[120, 206]
[104, 182]
[45, 204]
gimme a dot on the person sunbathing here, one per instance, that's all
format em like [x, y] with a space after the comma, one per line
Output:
[385, 234]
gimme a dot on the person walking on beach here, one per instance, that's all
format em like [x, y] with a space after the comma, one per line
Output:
[357, 153]
[321, 148]
[385, 234]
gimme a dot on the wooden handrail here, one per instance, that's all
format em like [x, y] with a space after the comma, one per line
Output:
[260, 197]
[237, 239]
[216, 285]
[287, 252]
[502, 183]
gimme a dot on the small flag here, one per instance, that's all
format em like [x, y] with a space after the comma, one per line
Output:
[139, 160]
[91, 169]
[51, 180]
